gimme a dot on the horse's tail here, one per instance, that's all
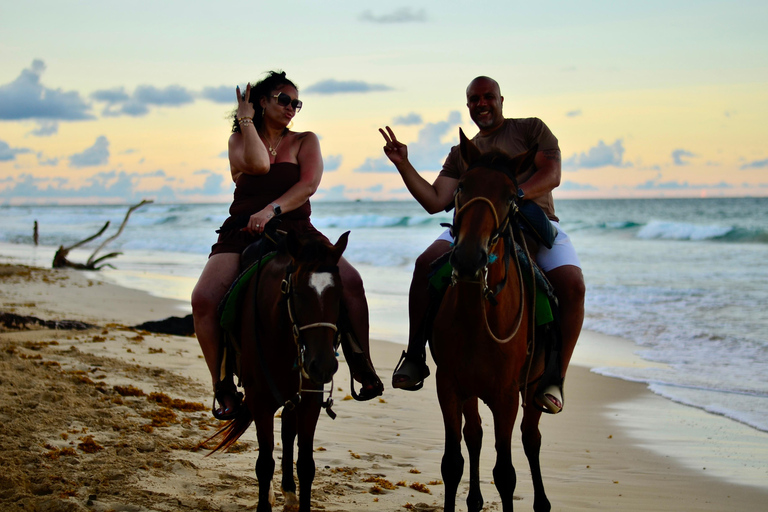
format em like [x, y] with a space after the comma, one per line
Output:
[231, 431]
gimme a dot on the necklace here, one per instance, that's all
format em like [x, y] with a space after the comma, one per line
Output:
[273, 151]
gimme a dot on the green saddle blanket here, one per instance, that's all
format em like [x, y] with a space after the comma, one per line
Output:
[441, 276]
[229, 309]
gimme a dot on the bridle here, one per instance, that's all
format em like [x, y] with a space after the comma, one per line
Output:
[503, 229]
[287, 288]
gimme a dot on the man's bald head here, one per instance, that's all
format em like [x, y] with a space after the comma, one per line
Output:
[484, 101]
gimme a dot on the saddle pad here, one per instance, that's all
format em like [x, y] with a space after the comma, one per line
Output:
[441, 276]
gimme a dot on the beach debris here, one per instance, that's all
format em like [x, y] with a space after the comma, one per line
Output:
[60, 258]
[180, 326]
[19, 322]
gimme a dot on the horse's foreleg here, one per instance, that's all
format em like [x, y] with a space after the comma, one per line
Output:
[452, 465]
[532, 446]
[288, 437]
[473, 437]
[504, 414]
[265, 463]
[305, 463]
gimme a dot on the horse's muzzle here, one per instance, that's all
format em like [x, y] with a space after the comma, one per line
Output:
[321, 372]
[468, 263]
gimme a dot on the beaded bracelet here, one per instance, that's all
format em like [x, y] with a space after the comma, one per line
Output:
[245, 121]
[241, 118]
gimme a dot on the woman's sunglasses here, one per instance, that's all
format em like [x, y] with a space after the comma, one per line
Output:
[284, 100]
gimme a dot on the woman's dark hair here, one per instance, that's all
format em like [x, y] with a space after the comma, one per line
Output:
[261, 89]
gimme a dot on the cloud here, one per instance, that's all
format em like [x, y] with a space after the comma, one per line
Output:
[573, 113]
[41, 160]
[573, 186]
[601, 155]
[8, 154]
[332, 162]
[676, 185]
[111, 185]
[335, 193]
[408, 120]
[214, 184]
[679, 154]
[119, 102]
[332, 86]
[401, 15]
[45, 128]
[221, 94]
[427, 153]
[27, 98]
[756, 164]
[98, 154]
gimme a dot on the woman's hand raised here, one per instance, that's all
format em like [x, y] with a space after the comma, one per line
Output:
[244, 105]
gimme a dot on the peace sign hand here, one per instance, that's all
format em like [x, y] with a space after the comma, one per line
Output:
[396, 151]
[244, 105]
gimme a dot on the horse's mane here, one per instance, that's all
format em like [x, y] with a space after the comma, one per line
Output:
[498, 160]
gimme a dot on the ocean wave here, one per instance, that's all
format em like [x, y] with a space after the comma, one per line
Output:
[668, 230]
[374, 221]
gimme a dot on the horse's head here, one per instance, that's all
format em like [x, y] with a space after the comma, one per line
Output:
[314, 299]
[485, 198]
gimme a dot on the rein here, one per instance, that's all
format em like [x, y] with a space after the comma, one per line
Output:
[504, 231]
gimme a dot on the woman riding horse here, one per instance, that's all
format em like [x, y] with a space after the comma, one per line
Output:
[275, 171]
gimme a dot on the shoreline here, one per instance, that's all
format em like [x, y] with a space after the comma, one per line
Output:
[595, 449]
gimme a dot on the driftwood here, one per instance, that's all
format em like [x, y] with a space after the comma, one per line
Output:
[60, 258]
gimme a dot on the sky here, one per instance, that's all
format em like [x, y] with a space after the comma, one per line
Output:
[114, 102]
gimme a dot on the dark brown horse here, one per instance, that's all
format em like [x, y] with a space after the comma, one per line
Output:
[482, 331]
[289, 338]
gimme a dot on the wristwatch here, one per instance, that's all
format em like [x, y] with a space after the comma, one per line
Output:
[520, 193]
[276, 208]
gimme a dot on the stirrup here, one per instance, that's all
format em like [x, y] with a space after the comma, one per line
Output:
[417, 364]
[222, 412]
[550, 400]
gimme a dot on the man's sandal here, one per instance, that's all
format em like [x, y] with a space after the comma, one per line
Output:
[550, 400]
[410, 372]
[227, 401]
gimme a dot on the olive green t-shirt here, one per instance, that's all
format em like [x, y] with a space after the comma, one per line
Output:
[514, 136]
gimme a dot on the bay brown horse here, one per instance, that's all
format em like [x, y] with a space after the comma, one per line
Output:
[482, 329]
[289, 336]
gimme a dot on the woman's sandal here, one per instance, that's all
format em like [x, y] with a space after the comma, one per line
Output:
[412, 371]
[229, 401]
[371, 383]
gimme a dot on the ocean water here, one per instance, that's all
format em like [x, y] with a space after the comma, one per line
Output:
[686, 280]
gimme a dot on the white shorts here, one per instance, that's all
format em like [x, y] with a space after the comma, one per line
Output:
[562, 252]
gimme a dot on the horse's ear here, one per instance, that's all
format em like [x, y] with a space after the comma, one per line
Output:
[524, 161]
[468, 150]
[341, 244]
[292, 243]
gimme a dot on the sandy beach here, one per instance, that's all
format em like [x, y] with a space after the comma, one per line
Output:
[111, 418]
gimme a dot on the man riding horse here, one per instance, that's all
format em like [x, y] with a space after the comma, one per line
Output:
[560, 263]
